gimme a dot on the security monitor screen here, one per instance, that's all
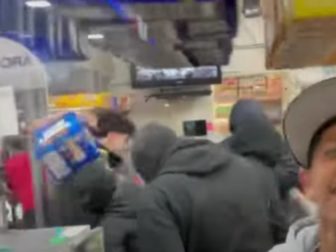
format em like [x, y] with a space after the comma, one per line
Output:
[195, 128]
[206, 75]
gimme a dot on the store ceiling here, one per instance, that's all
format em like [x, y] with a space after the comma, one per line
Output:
[152, 33]
[156, 34]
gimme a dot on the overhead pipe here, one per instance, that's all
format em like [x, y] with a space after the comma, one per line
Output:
[51, 21]
[70, 40]
[73, 35]
[59, 35]
[20, 15]
[11, 16]
[31, 21]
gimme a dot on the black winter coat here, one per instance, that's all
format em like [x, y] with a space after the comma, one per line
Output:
[112, 198]
[255, 138]
[206, 200]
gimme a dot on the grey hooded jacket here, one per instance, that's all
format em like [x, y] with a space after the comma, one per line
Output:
[199, 197]
[302, 237]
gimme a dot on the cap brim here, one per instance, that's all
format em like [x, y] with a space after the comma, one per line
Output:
[306, 114]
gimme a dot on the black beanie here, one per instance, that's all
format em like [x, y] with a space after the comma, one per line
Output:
[150, 147]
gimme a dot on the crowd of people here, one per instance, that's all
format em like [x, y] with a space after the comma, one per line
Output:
[154, 191]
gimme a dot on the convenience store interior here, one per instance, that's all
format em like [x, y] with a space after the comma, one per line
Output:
[137, 56]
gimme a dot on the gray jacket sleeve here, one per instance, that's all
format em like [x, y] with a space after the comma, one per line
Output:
[284, 248]
[302, 237]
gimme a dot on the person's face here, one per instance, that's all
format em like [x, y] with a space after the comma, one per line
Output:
[320, 179]
[116, 142]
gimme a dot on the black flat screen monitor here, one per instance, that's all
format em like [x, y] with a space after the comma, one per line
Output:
[195, 128]
[178, 77]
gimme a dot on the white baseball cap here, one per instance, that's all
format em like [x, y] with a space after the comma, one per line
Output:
[314, 107]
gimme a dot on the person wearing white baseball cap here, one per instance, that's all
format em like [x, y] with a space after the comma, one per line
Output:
[310, 129]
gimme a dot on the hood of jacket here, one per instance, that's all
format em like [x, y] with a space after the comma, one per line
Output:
[150, 146]
[302, 237]
[158, 151]
[253, 135]
[194, 157]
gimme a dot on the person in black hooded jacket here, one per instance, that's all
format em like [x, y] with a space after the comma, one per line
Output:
[254, 137]
[102, 193]
[199, 198]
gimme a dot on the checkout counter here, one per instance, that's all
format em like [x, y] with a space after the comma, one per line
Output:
[67, 239]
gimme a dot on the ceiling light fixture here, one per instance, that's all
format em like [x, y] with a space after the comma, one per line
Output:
[96, 36]
[38, 4]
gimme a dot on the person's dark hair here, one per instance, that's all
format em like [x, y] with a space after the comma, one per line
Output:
[111, 121]
[317, 139]
[13, 144]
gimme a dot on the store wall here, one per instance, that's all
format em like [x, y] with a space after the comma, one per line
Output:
[298, 80]
[171, 113]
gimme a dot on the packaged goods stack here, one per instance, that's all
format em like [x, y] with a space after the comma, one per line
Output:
[300, 33]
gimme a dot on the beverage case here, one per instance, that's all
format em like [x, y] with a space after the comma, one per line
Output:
[65, 146]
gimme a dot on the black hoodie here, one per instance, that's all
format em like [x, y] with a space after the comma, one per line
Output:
[111, 197]
[254, 136]
[201, 199]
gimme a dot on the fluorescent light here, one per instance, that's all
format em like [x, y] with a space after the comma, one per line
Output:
[96, 36]
[38, 3]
